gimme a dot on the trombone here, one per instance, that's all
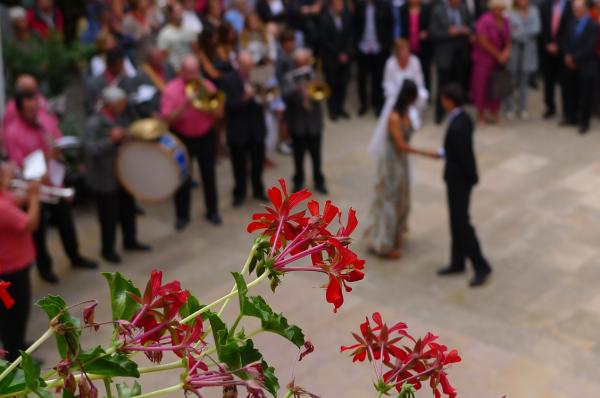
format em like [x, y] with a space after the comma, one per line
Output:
[204, 99]
[48, 194]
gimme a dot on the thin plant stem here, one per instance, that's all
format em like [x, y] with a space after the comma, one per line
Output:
[289, 394]
[47, 334]
[107, 388]
[162, 391]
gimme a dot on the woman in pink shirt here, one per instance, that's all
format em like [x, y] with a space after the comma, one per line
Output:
[17, 253]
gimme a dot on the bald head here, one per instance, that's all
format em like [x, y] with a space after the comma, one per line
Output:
[26, 83]
[245, 63]
[579, 8]
[302, 57]
[190, 69]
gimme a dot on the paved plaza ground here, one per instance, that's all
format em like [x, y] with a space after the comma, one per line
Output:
[532, 332]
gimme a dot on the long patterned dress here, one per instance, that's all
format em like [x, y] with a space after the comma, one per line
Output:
[391, 206]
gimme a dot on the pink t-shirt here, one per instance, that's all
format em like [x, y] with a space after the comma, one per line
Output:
[16, 242]
[415, 41]
[21, 138]
[11, 113]
[192, 122]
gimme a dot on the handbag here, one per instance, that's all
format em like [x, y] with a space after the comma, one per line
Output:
[501, 85]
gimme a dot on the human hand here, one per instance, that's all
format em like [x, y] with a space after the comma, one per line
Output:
[343, 58]
[116, 134]
[423, 35]
[552, 48]
[454, 31]
[33, 190]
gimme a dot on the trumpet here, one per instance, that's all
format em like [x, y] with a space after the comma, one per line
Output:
[48, 194]
[204, 99]
[264, 94]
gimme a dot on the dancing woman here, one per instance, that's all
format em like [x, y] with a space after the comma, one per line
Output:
[390, 148]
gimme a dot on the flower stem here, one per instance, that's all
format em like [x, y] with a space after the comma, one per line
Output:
[160, 368]
[379, 394]
[107, 388]
[47, 334]
[161, 391]
[255, 282]
[289, 394]
[244, 270]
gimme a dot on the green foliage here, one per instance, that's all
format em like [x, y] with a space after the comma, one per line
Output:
[52, 62]
[271, 382]
[270, 321]
[407, 391]
[33, 381]
[67, 328]
[191, 305]
[96, 361]
[121, 289]
[123, 391]
[15, 381]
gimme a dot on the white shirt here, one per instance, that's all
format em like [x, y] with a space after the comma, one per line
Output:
[177, 41]
[98, 66]
[191, 22]
[394, 76]
[369, 43]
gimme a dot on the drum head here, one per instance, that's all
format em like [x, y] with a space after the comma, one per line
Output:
[147, 171]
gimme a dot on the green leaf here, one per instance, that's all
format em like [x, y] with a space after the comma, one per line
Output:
[191, 305]
[67, 394]
[14, 381]
[271, 382]
[407, 391]
[123, 391]
[31, 370]
[121, 289]
[96, 361]
[270, 321]
[249, 354]
[67, 327]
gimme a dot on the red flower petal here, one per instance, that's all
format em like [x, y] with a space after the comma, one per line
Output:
[7, 300]
[334, 293]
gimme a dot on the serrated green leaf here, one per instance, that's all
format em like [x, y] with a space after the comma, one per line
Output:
[14, 381]
[253, 263]
[31, 371]
[249, 354]
[123, 391]
[191, 305]
[95, 361]
[271, 382]
[67, 335]
[123, 306]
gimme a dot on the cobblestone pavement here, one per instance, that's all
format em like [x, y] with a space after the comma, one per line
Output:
[533, 332]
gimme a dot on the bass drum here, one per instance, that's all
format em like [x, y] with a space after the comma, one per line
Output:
[152, 171]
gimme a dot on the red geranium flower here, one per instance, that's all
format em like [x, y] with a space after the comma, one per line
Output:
[7, 300]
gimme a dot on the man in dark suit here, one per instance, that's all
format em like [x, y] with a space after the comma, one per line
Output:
[555, 17]
[336, 49]
[579, 47]
[460, 174]
[449, 30]
[246, 129]
[304, 119]
[374, 31]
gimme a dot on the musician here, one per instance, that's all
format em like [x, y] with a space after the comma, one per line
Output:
[196, 129]
[104, 132]
[17, 254]
[155, 73]
[27, 83]
[246, 129]
[305, 119]
[29, 132]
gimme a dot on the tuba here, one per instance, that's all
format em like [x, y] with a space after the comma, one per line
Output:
[204, 99]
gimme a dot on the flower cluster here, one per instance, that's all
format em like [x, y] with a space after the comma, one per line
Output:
[155, 328]
[297, 234]
[253, 379]
[396, 364]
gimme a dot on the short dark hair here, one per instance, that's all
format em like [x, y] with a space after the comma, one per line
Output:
[21, 96]
[455, 93]
[287, 34]
[115, 55]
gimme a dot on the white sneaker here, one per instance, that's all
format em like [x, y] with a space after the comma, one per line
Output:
[524, 115]
[510, 115]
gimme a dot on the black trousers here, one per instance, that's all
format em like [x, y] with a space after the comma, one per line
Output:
[337, 77]
[240, 155]
[13, 322]
[458, 72]
[578, 96]
[552, 67]
[312, 144]
[116, 208]
[464, 239]
[370, 73]
[59, 214]
[425, 59]
[203, 149]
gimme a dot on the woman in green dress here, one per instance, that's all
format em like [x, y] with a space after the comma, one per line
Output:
[391, 205]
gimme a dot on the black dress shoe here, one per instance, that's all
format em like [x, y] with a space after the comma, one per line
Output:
[237, 202]
[137, 247]
[480, 279]
[549, 113]
[298, 187]
[450, 270]
[362, 111]
[181, 224]
[261, 197]
[84, 263]
[567, 122]
[439, 118]
[214, 219]
[584, 128]
[49, 276]
[139, 211]
[322, 189]
[112, 257]
[344, 115]
[334, 118]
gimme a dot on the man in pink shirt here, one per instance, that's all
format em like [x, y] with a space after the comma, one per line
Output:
[196, 130]
[17, 253]
[25, 82]
[28, 132]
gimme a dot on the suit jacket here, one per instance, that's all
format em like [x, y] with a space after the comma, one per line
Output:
[302, 120]
[334, 41]
[244, 121]
[424, 16]
[446, 47]
[384, 23]
[546, 19]
[460, 166]
[582, 47]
